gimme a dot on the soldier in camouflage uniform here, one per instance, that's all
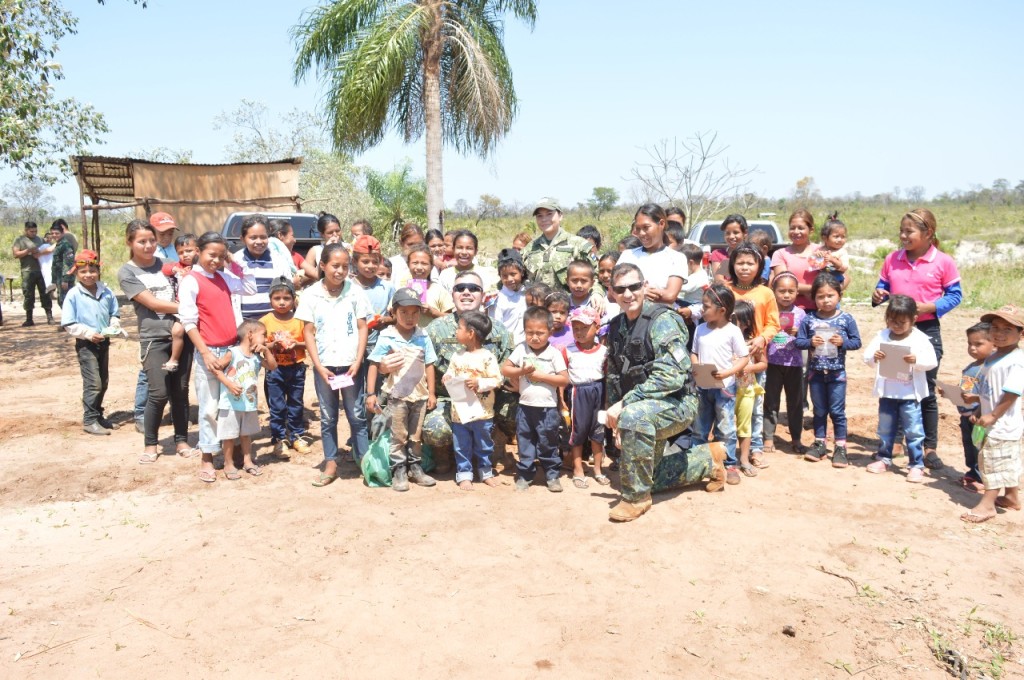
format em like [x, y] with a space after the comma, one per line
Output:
[547, 257]
[437, 429]
[651, 399]
[63, 261]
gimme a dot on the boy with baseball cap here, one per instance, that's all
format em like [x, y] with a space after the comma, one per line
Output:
[999, 428]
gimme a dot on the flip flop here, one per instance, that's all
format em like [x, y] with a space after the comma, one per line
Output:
[971, 484]
[748, 470]
[188, 453]
[602, 480]
[254, 470]
[580, 482]
[972, 518]
[1001, 502]
[324, 480]
[233, 475]
[147, 458]
[208, 476]
[759, 461]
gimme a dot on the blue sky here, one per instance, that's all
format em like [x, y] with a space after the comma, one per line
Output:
[862, 96]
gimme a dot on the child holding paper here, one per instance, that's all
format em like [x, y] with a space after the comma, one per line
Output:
[479, 370]
[903, 354]
[718, 342]
[829, 332]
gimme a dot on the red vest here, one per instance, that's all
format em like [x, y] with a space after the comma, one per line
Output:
[216, 316]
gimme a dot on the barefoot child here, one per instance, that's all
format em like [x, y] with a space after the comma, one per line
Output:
[899, 399]
[585, 359]
[541, 371]
[717, 341]
[237, 417]
[408, 392]
[185, 246]
[90, 315]
[826, 374]
[1001, 421]
[510, 304]
[479, 369]
[286, 384]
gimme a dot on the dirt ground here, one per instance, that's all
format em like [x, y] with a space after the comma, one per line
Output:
[113, 569]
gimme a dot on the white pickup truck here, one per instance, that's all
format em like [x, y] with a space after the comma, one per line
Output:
[708, 235]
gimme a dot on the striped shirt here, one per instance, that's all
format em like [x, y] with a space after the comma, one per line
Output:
[264, 269]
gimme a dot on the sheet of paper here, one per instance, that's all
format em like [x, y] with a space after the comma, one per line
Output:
[827, 349]
[702, 375]
[464, 400]
[341, 381]
[411, 373]
[952, 392]
[893, 366]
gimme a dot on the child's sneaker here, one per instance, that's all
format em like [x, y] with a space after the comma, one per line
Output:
[170, 366]
[300, 446]
[522, 484]
[554, 485]
[915, 475]
[816, 452]
[878, 467]
[839, 459]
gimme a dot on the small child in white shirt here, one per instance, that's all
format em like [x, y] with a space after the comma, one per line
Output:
[510, 305]
[899, 396]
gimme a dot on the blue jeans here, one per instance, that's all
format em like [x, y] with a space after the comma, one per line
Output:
[329, 405]
[285, 387]
[828, 397]
[473, 440]
[93, 359]
[141, 395]
[717, 409]
[757, 419]
[905, 415]
[537, 434]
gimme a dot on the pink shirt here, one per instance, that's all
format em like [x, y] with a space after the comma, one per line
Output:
[924, 280]
[800, 266]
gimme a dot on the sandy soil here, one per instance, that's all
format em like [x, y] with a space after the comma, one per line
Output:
[112, 569]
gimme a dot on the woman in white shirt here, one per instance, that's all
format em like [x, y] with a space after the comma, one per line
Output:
[663, 268]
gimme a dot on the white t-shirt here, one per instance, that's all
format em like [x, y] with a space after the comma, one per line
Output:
[1003, 375]
[335, 320]
[719, 346]
[550, 360]
[508, 309]
[915, 387]
[586, 366]
[656, 267]
[693, 288]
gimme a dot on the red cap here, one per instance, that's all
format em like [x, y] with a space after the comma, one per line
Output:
[365, 244]
[161, 221]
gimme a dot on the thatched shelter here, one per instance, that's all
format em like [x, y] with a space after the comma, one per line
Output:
[198, 196]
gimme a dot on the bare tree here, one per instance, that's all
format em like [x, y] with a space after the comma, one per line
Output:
[915, 194]
[695, 173]
[28, 199]
[257, 139]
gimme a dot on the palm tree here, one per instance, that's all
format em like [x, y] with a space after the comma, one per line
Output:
[434, 66]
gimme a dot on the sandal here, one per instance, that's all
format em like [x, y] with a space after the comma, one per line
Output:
[324, 480]
[769, 447]
[972, 518]
[1001, 502]
[207, 476]
[232, 474]
[147, 458]
[748, 470]
[254, 470]
[189, 453]
[759, 461]
[972, 484]
[602, 480]
[580, 482]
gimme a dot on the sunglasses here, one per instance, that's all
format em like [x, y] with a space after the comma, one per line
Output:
[471, 287]
[632, 288]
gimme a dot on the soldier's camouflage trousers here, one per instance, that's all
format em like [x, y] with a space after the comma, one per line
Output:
[645, 428]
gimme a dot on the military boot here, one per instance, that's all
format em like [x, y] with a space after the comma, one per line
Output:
[717, 476]
[49, 317]
[418, 476]
[399, 479]
[28, 320]
[625, 511]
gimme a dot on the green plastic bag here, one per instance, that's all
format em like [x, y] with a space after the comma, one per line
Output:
[376, 464]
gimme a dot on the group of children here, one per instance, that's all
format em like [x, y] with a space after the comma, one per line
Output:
[751, 334]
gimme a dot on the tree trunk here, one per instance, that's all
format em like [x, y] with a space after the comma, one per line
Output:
[432, 46]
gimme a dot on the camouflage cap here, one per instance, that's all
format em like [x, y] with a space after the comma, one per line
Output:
[547, 203]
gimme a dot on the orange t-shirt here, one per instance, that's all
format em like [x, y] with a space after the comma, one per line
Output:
[293, 328]
[766, 310]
